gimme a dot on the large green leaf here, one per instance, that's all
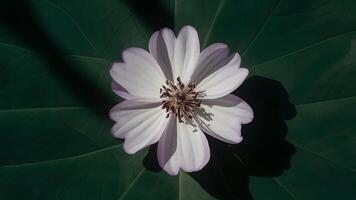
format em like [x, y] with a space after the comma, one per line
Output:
[55, 140]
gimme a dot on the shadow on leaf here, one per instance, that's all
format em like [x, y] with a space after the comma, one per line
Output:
[152, 13]
[264, 151]
[17, 18]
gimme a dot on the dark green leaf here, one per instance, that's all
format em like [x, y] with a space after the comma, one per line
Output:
[55, 94]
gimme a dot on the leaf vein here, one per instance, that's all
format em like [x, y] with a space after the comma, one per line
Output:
[180, 186]
[262, 28]
[75, 23]
[325, 158]
[218, 10]
[304, 48]
[284, 188]
[63, 159]
[70, 55]
[132, 183]
[326, 100]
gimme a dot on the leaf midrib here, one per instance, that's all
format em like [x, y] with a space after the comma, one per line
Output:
[75, 23]
[62, 159]
[325, 158]
[66, 55]
[315, 44]
[262, 28]
[280, 184]
[212, 24]
[133, 182]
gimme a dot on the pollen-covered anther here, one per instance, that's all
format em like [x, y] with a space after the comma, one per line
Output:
[179, 99]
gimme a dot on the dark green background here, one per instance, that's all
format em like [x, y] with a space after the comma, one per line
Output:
[55, 94]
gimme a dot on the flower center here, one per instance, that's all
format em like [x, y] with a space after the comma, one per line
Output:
[180, 99]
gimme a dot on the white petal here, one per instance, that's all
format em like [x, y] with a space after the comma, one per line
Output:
[161, 47]
[211, 59]
[222, 118]
[139, 123]
[186, 54]
[167, 147]
[123, 93]
[182, 146]
[119, 90]
[223, 81]
[140, 74]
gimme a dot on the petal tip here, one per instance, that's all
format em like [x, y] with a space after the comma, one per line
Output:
[173, 173]
[188, 27]
[250, 119]
[219, 45]
[238, 140]
[112, 69]
[243, 72]
[129, 150]
[133, 51]
[166, 29]
[111, 112]
[250, 112]
[111, 116]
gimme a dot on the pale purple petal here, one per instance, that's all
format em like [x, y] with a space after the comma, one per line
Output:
[140, 74]
[183, 146]
[186, 54]
[211, 59]
[123, 93]
[139, 123]
[223, 81]
[167, 148]
[161, 46]
[222, 117]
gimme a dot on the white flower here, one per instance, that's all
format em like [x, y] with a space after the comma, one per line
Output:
[173, 93]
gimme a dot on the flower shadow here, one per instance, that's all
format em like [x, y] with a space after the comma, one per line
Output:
[264, 151]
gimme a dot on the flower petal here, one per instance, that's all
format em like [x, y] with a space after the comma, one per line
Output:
[222, 118]
[123, 93]
[139, 123]
[161, 47]
[211, 59]
[182, 146]
[167, 148]
[186, 54]
[140, 74]
[223, 81]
